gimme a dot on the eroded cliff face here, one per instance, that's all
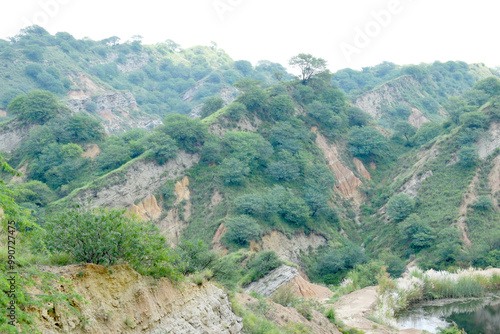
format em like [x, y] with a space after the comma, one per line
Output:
[387, 94]
[112, 107]
[11, 135]
[288, 249]
[490, 141]
[135, 182]
[119, 300]
[347, 182]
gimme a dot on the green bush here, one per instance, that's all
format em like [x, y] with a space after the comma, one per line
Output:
[242, 229]
[189, 133]
[400, 206]
[108, 237]
[233, 171]
[211, 105]
[261, 264]
[37, 106]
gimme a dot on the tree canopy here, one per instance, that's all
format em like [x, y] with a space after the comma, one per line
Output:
[308, 66]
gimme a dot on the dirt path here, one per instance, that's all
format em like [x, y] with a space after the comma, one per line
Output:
[353, 308]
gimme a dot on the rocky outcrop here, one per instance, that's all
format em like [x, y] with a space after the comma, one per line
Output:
[3, 113]
[412, 186]
[119, 300]
[147, 209]
[347, 183]
[468, 197]
[288, 249]
[113, 107]
[272, 281]
[389, 93]
[134, 62]
[11, 135]
[489, 142]
[417, 119]
[178, 216]
[494, 181]
[244, 124]
[136, 181]
[362, 169]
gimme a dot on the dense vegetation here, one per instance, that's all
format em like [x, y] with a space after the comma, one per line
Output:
[258, 156]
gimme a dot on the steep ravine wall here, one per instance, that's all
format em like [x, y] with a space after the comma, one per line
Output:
[137, 181]
[119, 300]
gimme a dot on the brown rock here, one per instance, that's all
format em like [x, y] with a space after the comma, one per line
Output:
[417, 119]
[362, 169]
[347, 182]
[305, 289]
[147, 209]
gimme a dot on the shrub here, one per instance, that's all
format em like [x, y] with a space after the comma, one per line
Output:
[233, 171]
[251, 204]
[211, 105]
[242, 229]
[400, 206]
[468, 156]
[366, 142]
[189, 133]
[285, 295]
[38, 106]
[261, 264]
[281, 107]
[108, 237]
[483, 203]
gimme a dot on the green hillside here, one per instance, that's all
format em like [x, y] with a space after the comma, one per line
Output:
[250, 168]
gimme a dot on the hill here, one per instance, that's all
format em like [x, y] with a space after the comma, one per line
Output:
[277, 179]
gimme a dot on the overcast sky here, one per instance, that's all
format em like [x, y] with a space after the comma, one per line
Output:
[346, 33]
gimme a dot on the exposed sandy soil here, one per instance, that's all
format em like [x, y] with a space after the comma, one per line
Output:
[353, 308]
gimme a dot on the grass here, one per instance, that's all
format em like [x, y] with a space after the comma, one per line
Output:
[430, 285]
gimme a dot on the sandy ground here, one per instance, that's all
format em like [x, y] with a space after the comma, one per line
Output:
[353, 308]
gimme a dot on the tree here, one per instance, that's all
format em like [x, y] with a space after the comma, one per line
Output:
[250, 204]
[189, 133]
[233, 171]
[308, 66]
[254, 98]
[34, 53]
[285, 169]
[235, 111]
[242, 229]
[281, 107]
[400, 206]
[244, 66]
[82, 129]
[161, 146]
[427, 132]
[107, 237]
[417, 232]
[358, 117]
[294, 210]
[468, 156]
[113, 156]
[405, 129]
[38, 106]
[211, 105]
[490, 86]
[367, 142]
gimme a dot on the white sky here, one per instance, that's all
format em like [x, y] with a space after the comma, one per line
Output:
[416, 31]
